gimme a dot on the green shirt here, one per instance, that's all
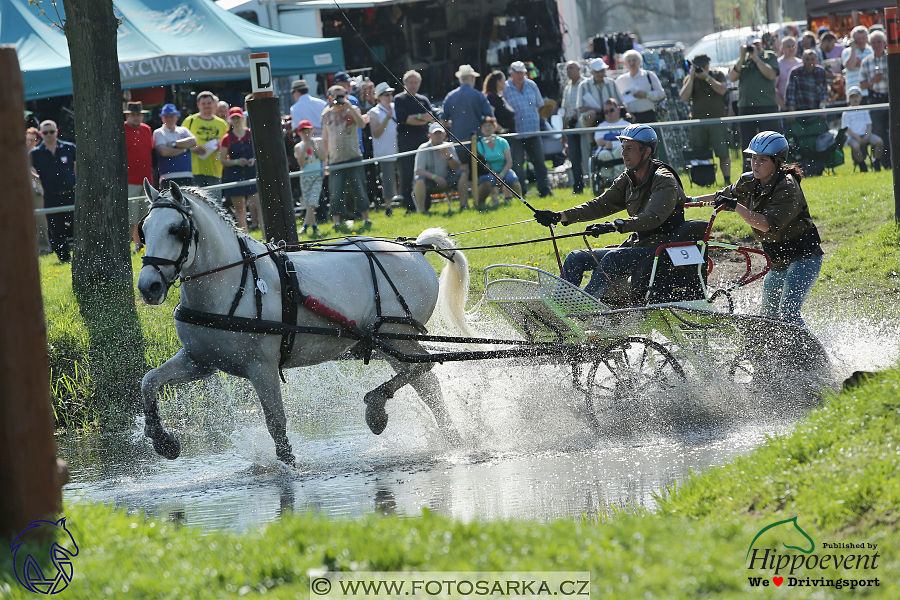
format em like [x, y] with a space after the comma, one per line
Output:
[705, 102]
[753, 87]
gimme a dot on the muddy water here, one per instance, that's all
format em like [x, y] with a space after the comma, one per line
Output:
[529, 451]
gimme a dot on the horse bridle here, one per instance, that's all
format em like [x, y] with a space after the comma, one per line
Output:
[184, 231]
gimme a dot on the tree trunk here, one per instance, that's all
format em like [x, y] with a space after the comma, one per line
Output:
[102, 277]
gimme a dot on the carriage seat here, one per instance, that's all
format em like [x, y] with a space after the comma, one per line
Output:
[673, 284]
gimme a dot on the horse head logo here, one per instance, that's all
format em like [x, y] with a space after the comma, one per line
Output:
[793, 521]
[29, 572]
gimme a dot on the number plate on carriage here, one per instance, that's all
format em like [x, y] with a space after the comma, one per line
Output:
[685, 255]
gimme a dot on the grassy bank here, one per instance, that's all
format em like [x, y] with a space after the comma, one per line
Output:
[838, 472]
[854, 213]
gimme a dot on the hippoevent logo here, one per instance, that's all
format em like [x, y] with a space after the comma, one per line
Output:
[29, 572]
[786, 556]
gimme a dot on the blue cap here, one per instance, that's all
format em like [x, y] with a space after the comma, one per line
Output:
[340, 77]
[169, 109]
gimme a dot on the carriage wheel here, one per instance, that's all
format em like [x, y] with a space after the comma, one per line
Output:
[630, 370]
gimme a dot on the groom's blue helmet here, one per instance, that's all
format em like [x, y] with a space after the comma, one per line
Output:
[769, 143]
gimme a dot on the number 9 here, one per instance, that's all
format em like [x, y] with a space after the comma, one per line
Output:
[685, 254]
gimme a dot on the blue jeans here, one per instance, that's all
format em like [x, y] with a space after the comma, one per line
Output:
[510, 178]
[614, 262]
[205, 180]
[785, 290]
[535, 149]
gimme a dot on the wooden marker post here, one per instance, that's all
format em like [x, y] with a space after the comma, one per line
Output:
[29, 478]
[893, 61]
[273, 178]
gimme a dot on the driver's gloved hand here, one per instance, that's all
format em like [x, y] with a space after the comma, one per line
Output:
[547, 217]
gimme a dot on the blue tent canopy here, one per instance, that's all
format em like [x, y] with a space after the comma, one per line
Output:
[162, 42]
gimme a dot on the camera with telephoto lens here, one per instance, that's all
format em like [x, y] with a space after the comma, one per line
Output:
[698, 69]
[750, 48]
[339, 100]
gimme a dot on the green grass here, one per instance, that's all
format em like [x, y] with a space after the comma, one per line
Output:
[837, 472]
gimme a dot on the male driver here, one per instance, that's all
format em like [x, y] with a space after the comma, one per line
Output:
[854, 54]
[755, 71]
[341, 123]
[173, 143]
[464, 109]
[652, 195]
[54, 162]
[306, 107]
[208, 130]
[570, 121]
[705, 90]
[413, 113]
[873, 77]
[592, 94]
[525, 98]
[437, 169]
[139, 144]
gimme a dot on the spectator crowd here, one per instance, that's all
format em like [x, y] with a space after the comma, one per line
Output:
[327, 139]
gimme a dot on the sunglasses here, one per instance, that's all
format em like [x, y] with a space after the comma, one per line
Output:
[48, 132]
[610, 110]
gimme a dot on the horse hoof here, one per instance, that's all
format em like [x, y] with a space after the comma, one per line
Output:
[376, 417]
[287, 459]
[167, 446]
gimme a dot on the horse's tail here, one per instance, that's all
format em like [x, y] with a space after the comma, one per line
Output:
[454, 280]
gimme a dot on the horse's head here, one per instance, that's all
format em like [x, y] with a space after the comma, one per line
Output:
[170, 237]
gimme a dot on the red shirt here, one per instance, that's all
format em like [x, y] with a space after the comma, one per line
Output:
[139, 141]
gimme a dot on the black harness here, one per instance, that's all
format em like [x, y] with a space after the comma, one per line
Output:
[184, 231]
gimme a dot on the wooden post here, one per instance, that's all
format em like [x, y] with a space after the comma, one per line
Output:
[893, 60]
[273, 178]
[29, 477]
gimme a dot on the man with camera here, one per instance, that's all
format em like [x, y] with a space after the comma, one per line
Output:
[755, 71]
[341, 123]
[705, 90]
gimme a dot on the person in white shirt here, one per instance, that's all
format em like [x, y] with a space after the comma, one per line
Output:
[306, 107]
[384, 142]
[640, 89]
[853, 55]
[609, 147]
[859, 133]
[173, 143]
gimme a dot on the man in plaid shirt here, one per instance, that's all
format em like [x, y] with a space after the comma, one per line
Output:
[807, 88]
[525, 98]
[873, 76]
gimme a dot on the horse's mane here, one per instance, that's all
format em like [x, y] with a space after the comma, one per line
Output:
[199, 194]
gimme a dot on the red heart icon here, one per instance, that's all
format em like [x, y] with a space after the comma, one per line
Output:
[778, 580]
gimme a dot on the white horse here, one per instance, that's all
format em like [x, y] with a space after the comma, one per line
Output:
[187, 234]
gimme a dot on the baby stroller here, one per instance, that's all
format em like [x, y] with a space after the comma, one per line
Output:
[814, 146]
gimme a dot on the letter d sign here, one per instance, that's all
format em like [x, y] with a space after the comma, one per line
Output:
[261, 75]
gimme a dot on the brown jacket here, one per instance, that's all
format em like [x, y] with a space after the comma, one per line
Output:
[781, 201]
[650, 203]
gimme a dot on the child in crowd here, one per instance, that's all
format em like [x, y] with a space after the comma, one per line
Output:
[310, 155]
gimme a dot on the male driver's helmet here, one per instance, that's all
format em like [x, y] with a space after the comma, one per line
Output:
[640, 133]
[769, 143]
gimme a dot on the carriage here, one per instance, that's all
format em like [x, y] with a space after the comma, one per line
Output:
[658, 328]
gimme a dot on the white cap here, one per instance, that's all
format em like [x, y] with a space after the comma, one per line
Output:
[518, 66]
[598, 64]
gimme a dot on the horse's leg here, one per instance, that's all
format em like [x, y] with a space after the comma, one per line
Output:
[178, 369]
[426, 384]
[268, 388]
